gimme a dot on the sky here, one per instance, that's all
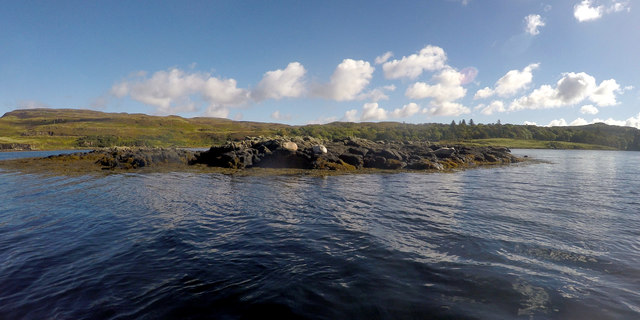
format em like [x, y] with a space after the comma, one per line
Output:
[563, 62]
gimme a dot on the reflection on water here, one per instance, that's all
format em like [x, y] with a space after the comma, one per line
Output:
[557, 239]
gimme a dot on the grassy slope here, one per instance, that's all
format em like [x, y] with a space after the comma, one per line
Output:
[61, 128]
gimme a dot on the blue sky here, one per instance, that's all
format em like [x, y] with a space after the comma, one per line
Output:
[563, 62]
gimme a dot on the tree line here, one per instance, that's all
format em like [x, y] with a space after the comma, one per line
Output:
[622, 138]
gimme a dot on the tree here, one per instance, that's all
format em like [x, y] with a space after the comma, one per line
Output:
[471, 123]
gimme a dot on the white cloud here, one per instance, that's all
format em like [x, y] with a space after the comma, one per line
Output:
[583, 11]
[619, 6]
[448, 109]
[371, 111]
[573, 88]
[430, 58]
[276, 115]
[486, 92]
[589, 109]
[579, 122]
[530, 123]
[220, 94]
[557, 123]
[278, 84]
[350, 116]
[495, 106]
[376, 94]
[406, 111]
[605, 93]
[512, 82]
[468, 75]
[447, 87]
[120, 90]
[347, 81]
[633, 122]
[587, 10]
[384, 58]
[322, 120]
[443, 93]
[533, 22]
[171, 92]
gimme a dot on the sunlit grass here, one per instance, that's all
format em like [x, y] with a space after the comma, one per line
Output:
[531, 144]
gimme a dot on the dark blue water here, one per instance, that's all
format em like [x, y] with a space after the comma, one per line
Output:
[557, 240]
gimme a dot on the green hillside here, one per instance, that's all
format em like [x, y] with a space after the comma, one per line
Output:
[75, 129]
[71, 128]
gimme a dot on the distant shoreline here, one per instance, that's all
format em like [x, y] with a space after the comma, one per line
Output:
[57, 129]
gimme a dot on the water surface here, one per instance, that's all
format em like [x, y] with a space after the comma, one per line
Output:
[558, 240]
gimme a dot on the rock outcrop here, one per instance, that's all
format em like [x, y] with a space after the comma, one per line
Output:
[348, 154]
[15, 146]
[132, 158]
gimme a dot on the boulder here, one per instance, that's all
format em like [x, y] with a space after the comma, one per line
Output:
[319, 149]
[290, 146]
[444, 152]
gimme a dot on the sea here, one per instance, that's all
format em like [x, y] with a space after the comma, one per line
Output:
[554, 238]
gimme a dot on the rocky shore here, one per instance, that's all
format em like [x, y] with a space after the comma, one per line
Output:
[349, 154]
[303, 153]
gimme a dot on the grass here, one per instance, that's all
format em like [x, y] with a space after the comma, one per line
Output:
[48, 129]
[531, 144]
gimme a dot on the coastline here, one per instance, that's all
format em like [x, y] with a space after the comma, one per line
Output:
[274, 156]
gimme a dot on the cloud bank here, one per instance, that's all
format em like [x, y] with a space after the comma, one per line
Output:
[587, 10]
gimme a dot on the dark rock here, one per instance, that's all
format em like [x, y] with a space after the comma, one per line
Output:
[444, 152]
[352, 159]
[389, 154]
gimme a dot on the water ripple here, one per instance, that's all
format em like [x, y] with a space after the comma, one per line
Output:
[557, 240]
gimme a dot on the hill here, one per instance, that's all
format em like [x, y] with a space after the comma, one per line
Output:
[77, 129]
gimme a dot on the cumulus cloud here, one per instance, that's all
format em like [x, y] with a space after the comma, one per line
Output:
[557, 123]
[347, 82]
[448, 108]
[530, 123]
[589, 109]
[384, 58]
[587, 10]
[371, 111]
[468, 75]
[633, 122]
[579, 122]
[512, 82]
[495, 106]
[278, 84]
[573, 88]
[447, 87]
[172, 91]
[533, 22]
[583, 11]
[430, 58]
[406, 111]
[351, 115]
[377, 94]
